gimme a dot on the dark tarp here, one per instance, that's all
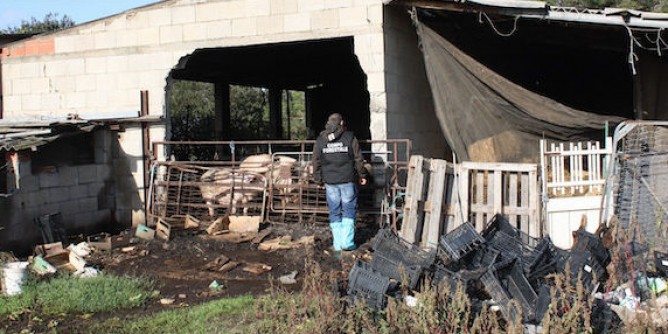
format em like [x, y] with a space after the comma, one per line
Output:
[486, 117]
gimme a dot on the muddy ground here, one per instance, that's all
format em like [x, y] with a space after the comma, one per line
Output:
[179, 269]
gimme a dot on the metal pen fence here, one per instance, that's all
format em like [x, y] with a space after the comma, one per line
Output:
[271, 179]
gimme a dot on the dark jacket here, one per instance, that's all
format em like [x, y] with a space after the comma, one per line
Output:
[338, 160]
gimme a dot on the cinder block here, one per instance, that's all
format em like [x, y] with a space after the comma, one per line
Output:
[79, 191]
[374, 13]
[12, 102]
[31, 102]
[87, 174]
[49, 180]
[29, 182]
[257, 7]
[284, 6]
[171, 34]
[58, 195]
[66, 44]
[63, 83]
[159, 16]
[372, 62]
[105, 40]
[207, 11]
[297, 22]
[75, 100]
[326, 19]
[194, 32]
[85, 83]
[270, 24]
[20, 86]
[95, 189]
[311, 5]
[88, 204]
[126, 39]
[370, 43]
[103, 172]
[219, 29]
[244, 27]
[183, 14]
[69, 208]
[36, 198]
[352, 16]
[148, 36]
[67, 175]
[338, 4]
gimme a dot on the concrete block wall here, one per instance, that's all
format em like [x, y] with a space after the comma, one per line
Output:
[82, 194]
[410, 107]
[100, 67]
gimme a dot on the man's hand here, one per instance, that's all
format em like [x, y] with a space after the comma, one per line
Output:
[363, 181]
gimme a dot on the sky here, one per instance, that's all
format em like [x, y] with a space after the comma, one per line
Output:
[12, 12]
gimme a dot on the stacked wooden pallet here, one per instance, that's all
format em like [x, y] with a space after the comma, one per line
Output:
[441, 196]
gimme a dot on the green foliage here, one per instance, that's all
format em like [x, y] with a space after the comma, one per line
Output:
[72, 295]
[50, 22]
[192, 116]
[249, 113]
[645, 5]
[212, 317]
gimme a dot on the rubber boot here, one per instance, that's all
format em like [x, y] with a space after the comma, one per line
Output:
[347, 235]
[336, 235]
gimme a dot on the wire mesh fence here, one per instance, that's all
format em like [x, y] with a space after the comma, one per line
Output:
[638, 192]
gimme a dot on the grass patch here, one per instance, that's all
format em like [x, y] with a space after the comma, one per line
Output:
[65, 294]
[220, 316]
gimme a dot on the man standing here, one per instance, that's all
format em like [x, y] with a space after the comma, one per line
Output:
[337, 162]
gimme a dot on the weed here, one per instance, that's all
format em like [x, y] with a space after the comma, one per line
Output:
[64, 294]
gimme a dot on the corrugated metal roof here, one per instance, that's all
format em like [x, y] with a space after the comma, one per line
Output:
[31, 135]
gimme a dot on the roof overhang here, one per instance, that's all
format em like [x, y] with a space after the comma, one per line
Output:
[542, 11]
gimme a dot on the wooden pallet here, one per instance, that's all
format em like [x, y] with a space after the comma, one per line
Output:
[440, 197]
[428, 210]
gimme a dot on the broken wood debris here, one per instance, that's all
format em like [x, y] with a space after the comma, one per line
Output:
[286, 242]
[257, 268]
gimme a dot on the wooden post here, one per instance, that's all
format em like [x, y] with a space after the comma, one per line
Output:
[276, 113]
[433, 220]
[222, 115]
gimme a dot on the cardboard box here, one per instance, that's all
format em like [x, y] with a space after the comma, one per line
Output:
[163, 230]
[145, 232]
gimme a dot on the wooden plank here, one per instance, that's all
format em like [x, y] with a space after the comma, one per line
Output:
[414, 185]
[479, 189]
[504, 167]
[512, 199]
[524, 199]
[463, 178]
[534, 206]
[434, 218]
[497, 189]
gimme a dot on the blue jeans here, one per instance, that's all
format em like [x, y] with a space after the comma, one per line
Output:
[342, 200]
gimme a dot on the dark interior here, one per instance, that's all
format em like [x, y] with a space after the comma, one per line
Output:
[582, 66]
[326, 70]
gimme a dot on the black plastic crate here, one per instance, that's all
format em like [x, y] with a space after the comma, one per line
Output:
[586, 241]
[509, 246]
[499, 223]
[397, 270]
[519, 289]
[542, 303]
[461, 241]
[585, 263]
[442, 274]
[499, 294]
[487, 257]
[365, 283]
[396, 258]
[386, 242]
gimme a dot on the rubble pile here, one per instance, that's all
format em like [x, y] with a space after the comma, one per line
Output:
[494, 267]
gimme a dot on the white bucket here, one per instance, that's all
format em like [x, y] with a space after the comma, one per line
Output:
[14, 275]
